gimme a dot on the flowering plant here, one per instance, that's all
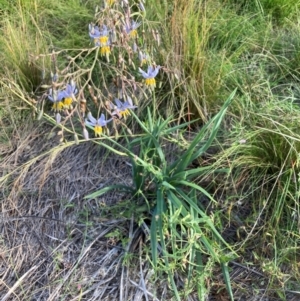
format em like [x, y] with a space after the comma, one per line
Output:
[114, 84]
[122, 108]
[101, 86]
[97, 124]
[63, 98]
[150, 75]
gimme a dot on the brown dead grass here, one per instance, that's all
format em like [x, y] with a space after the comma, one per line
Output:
[54, 245]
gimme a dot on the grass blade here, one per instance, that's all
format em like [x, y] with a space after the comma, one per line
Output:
[119, 187]
[226, 275]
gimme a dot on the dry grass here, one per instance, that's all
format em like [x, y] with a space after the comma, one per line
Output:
[56, 246]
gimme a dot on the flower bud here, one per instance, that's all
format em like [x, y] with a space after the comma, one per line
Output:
[40, 115]
[53, 93]
[129, 131]
[85, 134]
[113, 36]
[58, 118]
[76, 139]
[54, 77]
[134, 47]
[142, 7]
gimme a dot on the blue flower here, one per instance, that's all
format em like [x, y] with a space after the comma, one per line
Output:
[143, 58]
[56, 96]
[68, 95]
[97, 124]
[131, 29]
[105, 50]
[62, 98]
[100, 36]
[122, 108]
[150, 75]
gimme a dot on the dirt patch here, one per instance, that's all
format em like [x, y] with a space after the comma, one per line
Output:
[49, 234]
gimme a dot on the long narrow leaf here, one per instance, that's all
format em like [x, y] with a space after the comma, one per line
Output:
[179, 126]
[192, 254]
[208, 221]
[188, 156]
[187, 174]
[177, 203]
[150, 122]
[115, 151]
[226, 275]
[185, 158]
[201, 283]
[209, 248]
[121, 188]
[153, 240]
[217, 122]
[142, 125]
[157, 226]
[159, 151]
[161, 208]
[197, 187]
[168, 185]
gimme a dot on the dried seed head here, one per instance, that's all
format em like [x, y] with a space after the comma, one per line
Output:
[83, 105]
[109, 105]
[95, 100]
[91, 90]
